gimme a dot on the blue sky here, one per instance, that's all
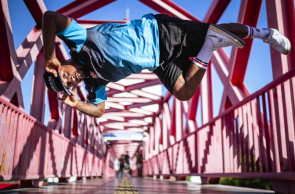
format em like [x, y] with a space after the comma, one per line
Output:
[259, 68]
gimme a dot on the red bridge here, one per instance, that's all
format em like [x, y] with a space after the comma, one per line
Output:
[252, 135]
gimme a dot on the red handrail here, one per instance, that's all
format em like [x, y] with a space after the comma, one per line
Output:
[30, 150]
[254, 138]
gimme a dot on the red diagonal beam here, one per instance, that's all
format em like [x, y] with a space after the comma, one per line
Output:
[80, 8]
[123, 126]
[194, 106]
[146, 112]
[142, 104]
[7, 51]
[119, 114]
[111, 130]
[221, 64]
[143, 85]
[36, 8]
[96, 22]
[124, 114]
[39, 90]
[116, 86]
[117, 118]
[173, 118]
[129, 99]
[10, 87]
[28, 51]
[131, 121]
[81, 93]
[146, 94]
[249, 14]
[215, 11]
[281, 16]
[169, 8]
[115, 105]
[134, 87]
[145, 76]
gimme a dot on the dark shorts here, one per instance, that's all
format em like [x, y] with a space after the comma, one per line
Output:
[179, 40]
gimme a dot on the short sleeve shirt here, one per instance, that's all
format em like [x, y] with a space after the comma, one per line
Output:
[115, 50]
[75, 35]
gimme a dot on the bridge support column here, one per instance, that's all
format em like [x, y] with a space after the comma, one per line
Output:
[178, 178]
[210, 180]
[37, 183]
[64, 179]
[164, 177]
[31, 183]
[283, 186]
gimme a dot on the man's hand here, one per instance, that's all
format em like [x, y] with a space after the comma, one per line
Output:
[69, 100]
[87, 108]
[52, 23]
[52, 66]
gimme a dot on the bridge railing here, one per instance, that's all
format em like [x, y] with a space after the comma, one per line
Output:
[30, 150]
[253, 139]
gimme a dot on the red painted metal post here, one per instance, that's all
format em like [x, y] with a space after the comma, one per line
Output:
[9, 77]
[178, 120]
[207, 96]
[7, 45]
[39, 90]
[248, 15]
[280, 15]
[247, 140]
[78, 9]
[37, 8]
[215, 11]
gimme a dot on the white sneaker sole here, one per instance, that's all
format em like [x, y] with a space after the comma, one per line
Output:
[238, 42]
[288, 44]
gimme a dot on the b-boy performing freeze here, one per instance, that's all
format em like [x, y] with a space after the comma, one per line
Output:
[160, 43]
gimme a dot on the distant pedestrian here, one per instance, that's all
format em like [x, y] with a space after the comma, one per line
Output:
[121, 167]
[127, 163]
[117, 167]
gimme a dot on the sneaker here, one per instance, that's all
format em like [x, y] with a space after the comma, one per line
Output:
[223, 38]
[277, 41]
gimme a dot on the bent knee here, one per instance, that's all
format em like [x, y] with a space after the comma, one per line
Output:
[182, 96]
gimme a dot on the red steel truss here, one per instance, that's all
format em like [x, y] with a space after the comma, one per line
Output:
[258, 127]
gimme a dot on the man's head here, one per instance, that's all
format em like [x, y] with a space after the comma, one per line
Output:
[70, 74]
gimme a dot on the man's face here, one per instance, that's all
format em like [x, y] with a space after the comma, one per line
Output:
[71, 74]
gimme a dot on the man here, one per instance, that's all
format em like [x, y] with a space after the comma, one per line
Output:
[121, 173]
[127, 163]
[162, 44]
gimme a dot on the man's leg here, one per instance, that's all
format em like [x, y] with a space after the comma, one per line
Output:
[185, 87]
[268, 35]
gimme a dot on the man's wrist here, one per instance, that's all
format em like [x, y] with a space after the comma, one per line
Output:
[76, 104]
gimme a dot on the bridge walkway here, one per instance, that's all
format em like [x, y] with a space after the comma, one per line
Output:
[134, 186]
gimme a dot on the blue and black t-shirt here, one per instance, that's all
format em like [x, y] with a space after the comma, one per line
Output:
[113, 51]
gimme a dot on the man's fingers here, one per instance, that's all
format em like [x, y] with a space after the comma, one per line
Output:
[54, 72]
[63, 98]
[72, 92]
[50, 70]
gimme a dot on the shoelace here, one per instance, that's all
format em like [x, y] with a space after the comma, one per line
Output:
[272, 41]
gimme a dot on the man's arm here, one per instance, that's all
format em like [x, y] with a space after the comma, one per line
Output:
[91, 109]
[52, 23]
[87, 108]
